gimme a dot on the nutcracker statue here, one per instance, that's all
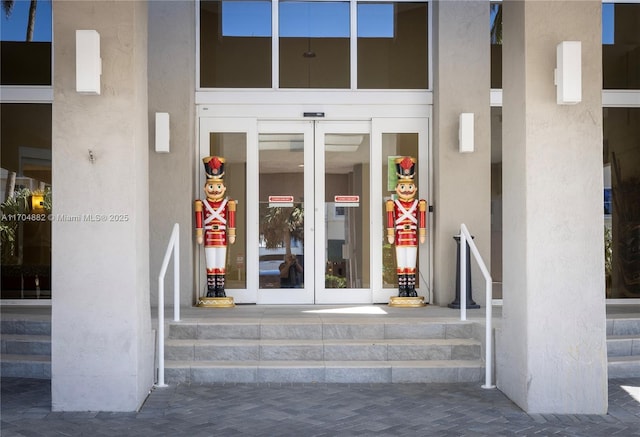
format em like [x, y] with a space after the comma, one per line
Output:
[215, 225]
[406, 223]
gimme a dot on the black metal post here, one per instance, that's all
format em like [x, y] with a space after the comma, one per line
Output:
[456, 302]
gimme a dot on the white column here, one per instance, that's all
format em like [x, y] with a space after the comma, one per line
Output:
[102, 342]
[551, 351]
[462, 183]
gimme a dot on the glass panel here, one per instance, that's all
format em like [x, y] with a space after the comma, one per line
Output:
[347, 221]
[281, 196]
[392, 45]
[25, 229]
[235, 44]
[622, 202]
[233, 147]
[394, 145]
[621, 46]
[26, 44]
[314, 44]
[496, 45]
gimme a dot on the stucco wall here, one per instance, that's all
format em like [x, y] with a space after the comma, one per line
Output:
[462, 182]
[102, 349]
[551, 350]
[171, 84]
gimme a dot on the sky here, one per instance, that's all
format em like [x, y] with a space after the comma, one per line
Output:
[14, 27]
[253, 18]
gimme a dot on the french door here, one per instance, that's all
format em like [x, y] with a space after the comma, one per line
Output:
[310, 207]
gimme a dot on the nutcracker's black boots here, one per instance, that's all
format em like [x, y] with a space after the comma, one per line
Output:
[219, 291]
[402, 285]
[211, 285]
[411, 285]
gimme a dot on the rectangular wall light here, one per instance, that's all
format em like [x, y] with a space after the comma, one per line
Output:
[568, 73]
[162, 132]
[88, 62]
[466, 132]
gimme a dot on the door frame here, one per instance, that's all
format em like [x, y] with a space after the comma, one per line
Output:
[225, 117]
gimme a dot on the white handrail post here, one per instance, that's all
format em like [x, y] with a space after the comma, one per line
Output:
[465, 237]
[161, 333]
[172, 248]
[463, 276]
[488, 359]
[176, 273]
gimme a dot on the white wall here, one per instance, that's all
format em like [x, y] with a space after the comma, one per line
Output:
[462, 183]
[551, 350]
[172, 49]
[102, 347]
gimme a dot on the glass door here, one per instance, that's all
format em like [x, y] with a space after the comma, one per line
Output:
[285, 199]
[342, 212]
[310, 214]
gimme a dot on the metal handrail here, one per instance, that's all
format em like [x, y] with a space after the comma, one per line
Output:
[172, 247]
[465, 238]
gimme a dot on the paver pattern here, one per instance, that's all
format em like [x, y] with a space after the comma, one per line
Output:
[315, 410]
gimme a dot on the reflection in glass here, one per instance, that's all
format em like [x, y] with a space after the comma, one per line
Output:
[235, 44]
[622, 227]
[495, 15]
[314, 44]
[347, 228]
[281, 210]
[25, 228]
[394, 145]
[392, 45]
[26, 43]
[233, 147]
[621, 46]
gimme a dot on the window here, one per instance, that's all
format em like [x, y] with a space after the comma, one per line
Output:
[316, 45]
[621, 46]
[26, 44]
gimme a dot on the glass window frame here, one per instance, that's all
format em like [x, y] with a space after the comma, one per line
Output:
[275, 73]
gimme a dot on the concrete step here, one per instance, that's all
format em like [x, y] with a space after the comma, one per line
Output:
[203, 372]
[623, 326]
[26, 366]
[623, 345]
[330, 350]
[317, 330]
[26, 344]
[25, 325]
[624, 367]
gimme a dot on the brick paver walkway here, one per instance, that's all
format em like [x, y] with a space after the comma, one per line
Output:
[315, 410]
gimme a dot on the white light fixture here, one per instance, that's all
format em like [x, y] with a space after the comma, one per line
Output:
[162, 132]
[88, 62]
[568, 73]
[465, 133]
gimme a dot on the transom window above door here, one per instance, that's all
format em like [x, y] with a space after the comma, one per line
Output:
[314, 45]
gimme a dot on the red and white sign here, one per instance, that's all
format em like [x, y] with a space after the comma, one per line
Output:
[347, 200]
[280, 201]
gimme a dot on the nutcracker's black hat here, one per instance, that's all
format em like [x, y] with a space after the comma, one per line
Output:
[214, 167]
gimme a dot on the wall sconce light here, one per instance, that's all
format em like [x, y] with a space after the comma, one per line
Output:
[465, 133]
[568, 73]
[162, 132]
[88, 62]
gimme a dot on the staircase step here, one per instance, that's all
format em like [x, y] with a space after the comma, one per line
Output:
[623, 345]
[623, 326]
[16, 344]
[317, 330]
[25, 366]
[203, 372]
[25, 325]
[332, 350]
[624, 367]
